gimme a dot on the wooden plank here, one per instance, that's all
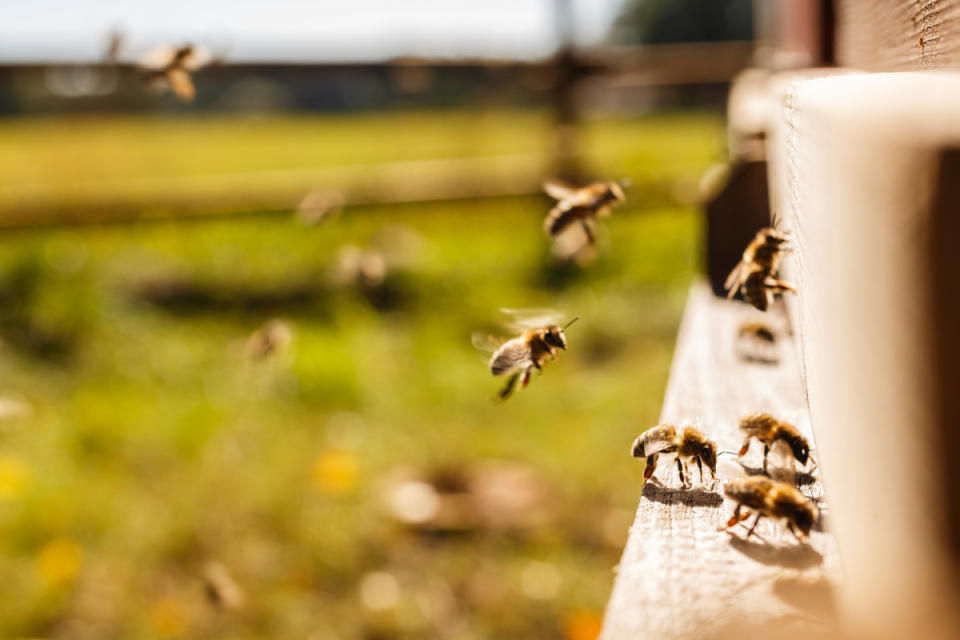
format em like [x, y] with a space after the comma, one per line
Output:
[679, 576]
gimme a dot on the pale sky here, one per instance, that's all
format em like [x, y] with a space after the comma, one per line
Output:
[245, 30]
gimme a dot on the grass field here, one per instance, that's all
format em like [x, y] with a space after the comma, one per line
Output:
[142, 441]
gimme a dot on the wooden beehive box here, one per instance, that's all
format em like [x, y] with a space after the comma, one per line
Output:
[862, 167]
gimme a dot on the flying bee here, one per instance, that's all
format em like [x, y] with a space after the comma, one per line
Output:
[114, 46]
[171, 67]
[770, 431]
[583, 206]
[755, 276]
[365, 268]
[272, 337]
[519, 356]
[771, 499]
[221, 589]
[686, 444]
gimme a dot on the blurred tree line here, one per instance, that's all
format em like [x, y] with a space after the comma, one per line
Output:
[665, 21]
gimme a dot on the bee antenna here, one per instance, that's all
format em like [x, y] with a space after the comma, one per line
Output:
[732, 453]
[571, 322]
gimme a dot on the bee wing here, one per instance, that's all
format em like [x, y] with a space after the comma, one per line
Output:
[198, 57]
[559, 190]
[512, 355]
[655, 443]
[523, 319]
[733, 279]
[486, 342]
[780, 463]
[572, 243]
[155, 58]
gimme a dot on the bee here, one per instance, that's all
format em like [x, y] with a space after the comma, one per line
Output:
[583, 206]
[272, 337]
[759, 287]
[114, 46]
[755, 276]
[365, 268]
[769, 431]
[171, 67]
[686, 444]
[221, 589]
[771, 499]
[757, 342]
[757, 331]
[519, 356]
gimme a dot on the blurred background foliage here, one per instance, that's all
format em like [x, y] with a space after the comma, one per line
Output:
[145, 434]
[667, 21]
[268, 420]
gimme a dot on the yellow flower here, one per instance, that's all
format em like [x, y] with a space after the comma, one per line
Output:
[14, 476]
[335, 472]
[59, 560]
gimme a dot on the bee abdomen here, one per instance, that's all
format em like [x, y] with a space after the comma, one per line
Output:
[561, 217]
[748, 491]
[512, 355]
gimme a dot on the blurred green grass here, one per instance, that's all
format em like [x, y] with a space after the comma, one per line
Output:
[156, 445]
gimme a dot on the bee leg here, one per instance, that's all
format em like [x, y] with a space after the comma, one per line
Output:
[735, 518]
[796, 534]
[749, 533]
[700, 468]
[651, 467]
[766, 450]
[525, 378]
[683, 480]
[509, 387]
[587, 230]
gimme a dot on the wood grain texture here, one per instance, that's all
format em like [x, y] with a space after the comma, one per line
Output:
[898, 35]
[679, 576]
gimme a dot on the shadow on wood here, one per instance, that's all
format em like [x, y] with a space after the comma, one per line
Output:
[791, 555]
[813, 596]
[695, 497]
[803, 478]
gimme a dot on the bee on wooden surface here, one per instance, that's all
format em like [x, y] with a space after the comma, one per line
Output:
[686, 444]
[770, 431]
[770, 499]
[759, 287]
[756, 342]
[171, 67]
[757, 331]
[540, 341]
[755, 276]
[581, 206]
